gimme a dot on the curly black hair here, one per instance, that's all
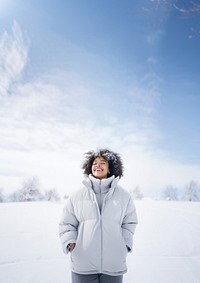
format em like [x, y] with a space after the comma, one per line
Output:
[114, 160]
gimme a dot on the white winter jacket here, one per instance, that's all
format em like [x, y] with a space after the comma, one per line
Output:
[101, 238]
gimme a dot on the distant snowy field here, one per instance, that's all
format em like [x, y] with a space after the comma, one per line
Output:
[167, 243]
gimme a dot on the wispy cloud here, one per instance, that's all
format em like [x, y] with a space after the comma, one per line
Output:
[155, 36]
[47, 123]
[13, 58]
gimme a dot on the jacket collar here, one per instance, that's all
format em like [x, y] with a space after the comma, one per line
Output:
[93, 183]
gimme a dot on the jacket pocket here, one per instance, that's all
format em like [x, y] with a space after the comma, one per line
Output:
[114, 250]
[86, 254]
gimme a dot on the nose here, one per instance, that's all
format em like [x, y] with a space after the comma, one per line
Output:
[98, 165]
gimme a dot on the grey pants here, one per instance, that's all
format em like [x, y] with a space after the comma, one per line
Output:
[96, 278]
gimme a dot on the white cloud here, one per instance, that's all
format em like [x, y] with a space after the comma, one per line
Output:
[13, 58]
[152, 60]
[47, 124]
[152, 170]
[155, 36]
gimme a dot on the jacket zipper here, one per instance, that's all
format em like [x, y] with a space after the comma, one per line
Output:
[100, 220]
[100, 212]
[102, 208]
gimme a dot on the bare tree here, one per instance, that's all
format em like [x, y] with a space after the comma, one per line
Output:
[136, 193]
[14, 197]
[51, 195]
[170, 193]
[192, 191]
[65, 196]
[1, 195]
[30, 190]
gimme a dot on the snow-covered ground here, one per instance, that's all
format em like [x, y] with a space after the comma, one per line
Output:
[167, 244]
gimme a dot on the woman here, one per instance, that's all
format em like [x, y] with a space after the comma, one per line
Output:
[99, 221]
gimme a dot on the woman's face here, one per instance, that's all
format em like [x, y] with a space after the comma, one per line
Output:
[100, 168]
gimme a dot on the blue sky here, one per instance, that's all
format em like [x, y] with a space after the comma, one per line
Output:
[77, 75]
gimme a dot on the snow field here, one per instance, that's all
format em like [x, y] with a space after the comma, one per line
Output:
[166, 243]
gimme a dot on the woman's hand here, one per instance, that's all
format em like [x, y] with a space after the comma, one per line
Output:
[72, 246]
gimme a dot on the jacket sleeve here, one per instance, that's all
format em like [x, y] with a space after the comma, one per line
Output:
[129, 224]
[68, 226]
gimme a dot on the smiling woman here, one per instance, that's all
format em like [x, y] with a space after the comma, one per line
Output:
[99, 221]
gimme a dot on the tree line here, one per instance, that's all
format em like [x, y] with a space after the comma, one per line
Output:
[30, 191]
[191, 192]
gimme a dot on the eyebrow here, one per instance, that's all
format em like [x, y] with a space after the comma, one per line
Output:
[101, 161]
